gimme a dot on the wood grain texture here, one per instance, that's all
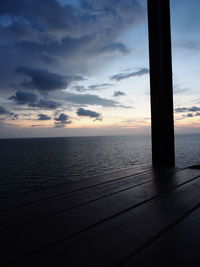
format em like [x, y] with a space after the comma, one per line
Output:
[119, 221]
[68, 187]
[41, 209]
[177, 247]
[115, 241]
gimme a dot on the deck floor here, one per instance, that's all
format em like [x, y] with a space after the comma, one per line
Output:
[133, 217]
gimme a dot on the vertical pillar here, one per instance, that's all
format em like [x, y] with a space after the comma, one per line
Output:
[162, 123]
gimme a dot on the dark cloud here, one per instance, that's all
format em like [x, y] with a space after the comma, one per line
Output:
[46, 104]
[39, 15]
[88, 113]
[4, 111]
[97, 87]
[118, 93]
[62, 120]
[89, 99]
[32, 100]
[39, 52]
[43, 117]
[57, 50]
[189, 115]
[179, 110]
[191, 109]
[14, 116]
[30, 33]
[23, 98]
[122, 76]
[94, 87]
[44, 80]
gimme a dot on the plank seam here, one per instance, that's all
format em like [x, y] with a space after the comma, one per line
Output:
[72, 182]
[55, 243]
[70, 192]
[129, 258]
[78, 190]
[75, 206]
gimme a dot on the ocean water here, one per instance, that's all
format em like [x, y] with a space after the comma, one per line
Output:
[28, 164]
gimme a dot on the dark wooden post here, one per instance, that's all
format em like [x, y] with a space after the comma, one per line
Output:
[162, 123]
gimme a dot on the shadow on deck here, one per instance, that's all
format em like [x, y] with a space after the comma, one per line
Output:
[133, 217]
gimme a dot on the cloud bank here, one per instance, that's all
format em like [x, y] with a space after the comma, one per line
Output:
[43, 58]
[190, 109]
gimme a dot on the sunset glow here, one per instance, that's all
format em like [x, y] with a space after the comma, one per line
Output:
[87, 70]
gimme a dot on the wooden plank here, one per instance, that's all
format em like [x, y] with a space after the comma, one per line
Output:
[109, 244]
[69, 187]
[37, 235]
[37, 210]
[177, 247]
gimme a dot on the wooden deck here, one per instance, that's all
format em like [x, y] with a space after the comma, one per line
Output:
[133, 217]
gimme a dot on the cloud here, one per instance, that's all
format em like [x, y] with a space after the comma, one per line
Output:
[33, 100]
[43, 117]
[44, 80]
[80, 88]
[46, 104]
[34, 12]
[80, 33]
[189, 115]
[191, 109]
[23, 98]
[36, 125]
[178, 89]
[118, 93]
[122, 76]
[193, 45]
[179, 110]
[115, 47]
[94, 87]
[41, 55]
[14, 116]
[89, 99]
[88, 113]
[62, 120]
[4, 111]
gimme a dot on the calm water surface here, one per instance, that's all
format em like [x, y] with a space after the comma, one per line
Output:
[27, 164]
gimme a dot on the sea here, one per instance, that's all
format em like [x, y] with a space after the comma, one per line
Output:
[34, 163]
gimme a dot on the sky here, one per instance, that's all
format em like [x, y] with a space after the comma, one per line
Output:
[77, 68]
